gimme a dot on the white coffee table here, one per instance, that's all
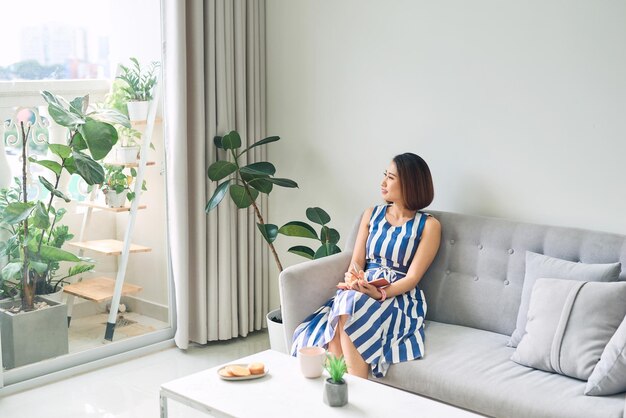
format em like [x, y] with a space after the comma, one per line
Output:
[284, 392]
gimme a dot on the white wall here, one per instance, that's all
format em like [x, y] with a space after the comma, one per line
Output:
[518, 107]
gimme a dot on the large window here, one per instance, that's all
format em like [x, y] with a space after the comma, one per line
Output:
[73, 48]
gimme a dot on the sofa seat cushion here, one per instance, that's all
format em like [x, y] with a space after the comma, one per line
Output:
[472, 369]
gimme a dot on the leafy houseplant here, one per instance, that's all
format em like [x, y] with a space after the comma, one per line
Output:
[139, 86]
[335, 388]
[129, 138]
[116, 186]
[34, 246]
[53, 280]
[244, 184]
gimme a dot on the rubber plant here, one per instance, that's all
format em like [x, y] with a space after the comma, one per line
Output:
[32, 249]
[245, 183]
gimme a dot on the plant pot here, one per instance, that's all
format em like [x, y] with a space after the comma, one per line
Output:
[335, 394]
[127, 154]
[137, 111]
[276, 331]
[29, 337]
[114, 199]
[56, 296]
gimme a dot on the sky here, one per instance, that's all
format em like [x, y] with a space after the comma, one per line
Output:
[96, 15]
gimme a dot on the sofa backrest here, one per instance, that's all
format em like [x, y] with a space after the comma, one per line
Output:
[477, 276]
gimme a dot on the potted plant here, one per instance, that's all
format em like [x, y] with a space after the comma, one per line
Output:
[335, 388]
[117, 184]
[34, 328]
[244, 184]
[138, 92]
[129, 139]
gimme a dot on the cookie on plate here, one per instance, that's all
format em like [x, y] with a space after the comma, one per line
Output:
[238, 371]
[256, 368]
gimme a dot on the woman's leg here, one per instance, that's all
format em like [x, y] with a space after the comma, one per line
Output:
[334, 345]
[356, 365]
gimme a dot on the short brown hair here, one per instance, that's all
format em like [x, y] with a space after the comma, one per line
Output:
[415, 180]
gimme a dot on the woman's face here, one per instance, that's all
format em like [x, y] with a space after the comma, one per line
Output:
[390, 189]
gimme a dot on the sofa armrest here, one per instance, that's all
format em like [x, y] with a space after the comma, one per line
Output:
[306, 286]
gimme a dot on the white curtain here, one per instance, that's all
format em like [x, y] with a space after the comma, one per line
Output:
[214, 72]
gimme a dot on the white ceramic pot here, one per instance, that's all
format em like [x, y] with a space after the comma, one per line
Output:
[276, 331]
[127, 154]
[114, 199]
[138, 111]
[56, 296]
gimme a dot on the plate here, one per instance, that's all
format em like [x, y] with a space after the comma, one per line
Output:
[252, 376]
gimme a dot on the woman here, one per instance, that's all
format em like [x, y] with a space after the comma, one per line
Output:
[375, 327]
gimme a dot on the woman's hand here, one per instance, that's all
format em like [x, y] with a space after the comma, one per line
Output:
[364, 287]
[351, 277]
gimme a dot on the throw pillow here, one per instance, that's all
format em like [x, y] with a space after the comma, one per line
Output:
[609, 376]
[569, 324]
[538, 265]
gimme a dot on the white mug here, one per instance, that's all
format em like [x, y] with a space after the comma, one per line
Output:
[311, 361]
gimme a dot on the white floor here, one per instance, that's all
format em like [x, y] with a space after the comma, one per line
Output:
[129, 389]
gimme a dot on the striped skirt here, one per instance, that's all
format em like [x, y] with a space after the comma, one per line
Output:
[383, 332]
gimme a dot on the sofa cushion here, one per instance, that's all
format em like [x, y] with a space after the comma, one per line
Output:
[470, 368]
[569, 324]
[609, 376]
[542, 266]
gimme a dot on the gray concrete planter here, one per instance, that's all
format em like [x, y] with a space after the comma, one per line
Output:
[29, 337]
[335, 394]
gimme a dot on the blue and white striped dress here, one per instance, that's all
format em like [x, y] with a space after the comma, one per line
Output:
[385, 332]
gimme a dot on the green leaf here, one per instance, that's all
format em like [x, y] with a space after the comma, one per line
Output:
[283, 182]
[79, 269]
[303, 251]
[326, 250]
[70, 165]
[38, 266]
[217, 197]
[12, 270]
[261, 168]
[79, 105]
[78, 143]
[269, 231]
[232, 140]
[317, 215]
[329, 235]
[59, 114]
[62, 151]
[240, 196]
[298, 229]
[261, 184]
[218, 142]
[16, 212]
[50, 253]
[333, 236]
[111, 116]
[41, 219]
[99, 136]
[220, 169]
[88, 169]
[262, 142]
[49, 164]
[54, 191]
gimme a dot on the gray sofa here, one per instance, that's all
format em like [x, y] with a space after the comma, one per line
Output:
[473, 290]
